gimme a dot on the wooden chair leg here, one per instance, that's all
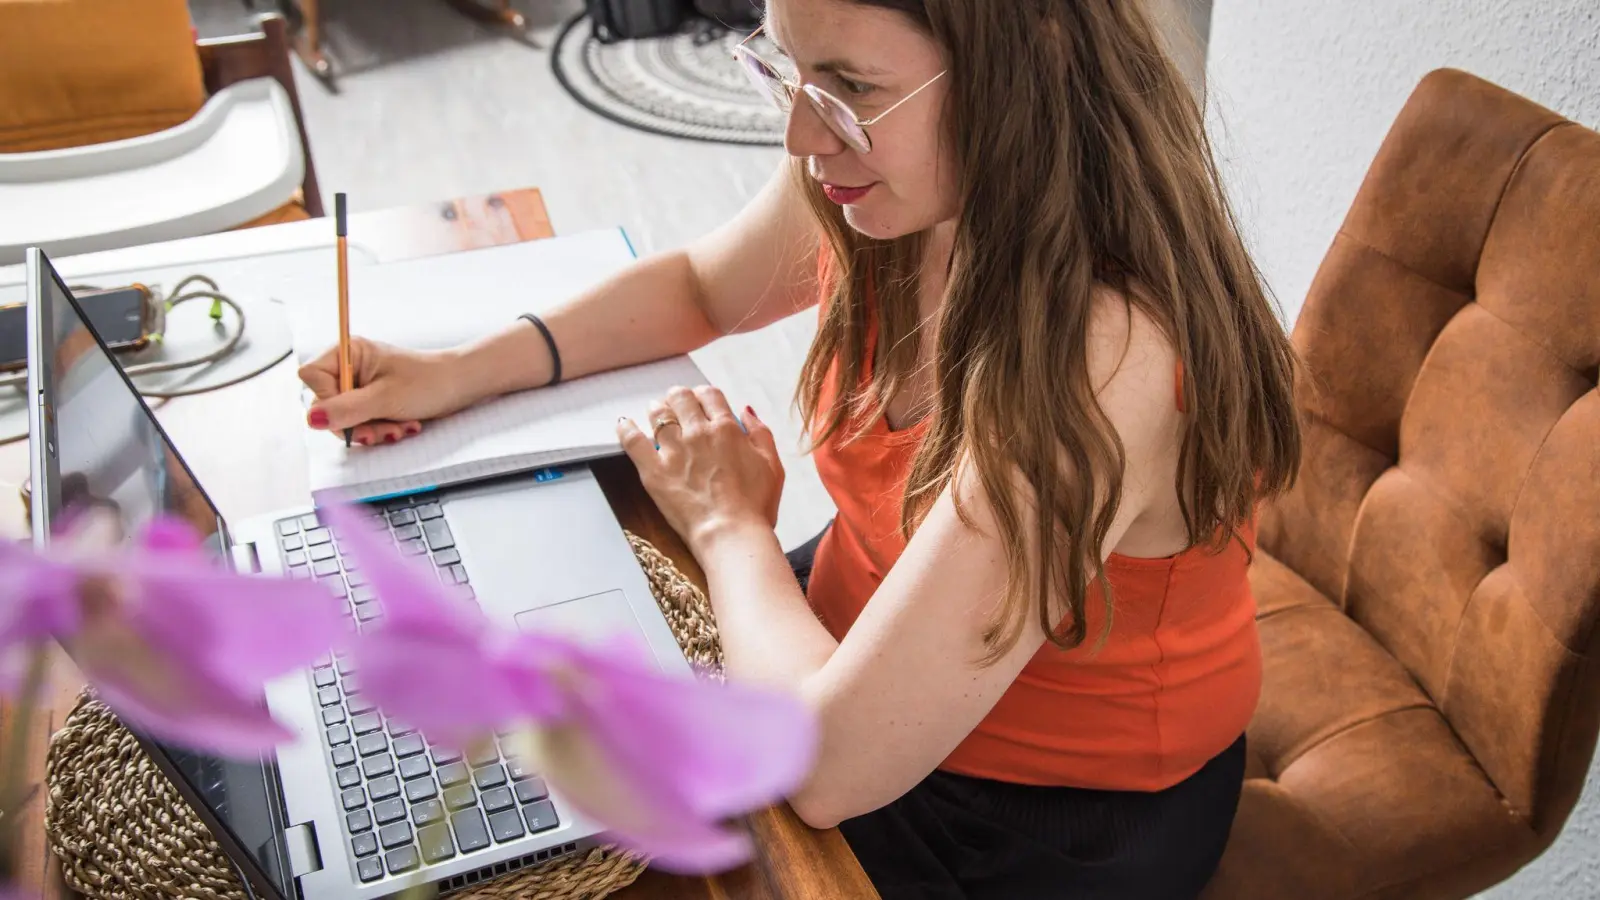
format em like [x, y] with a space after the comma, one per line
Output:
[495, 12]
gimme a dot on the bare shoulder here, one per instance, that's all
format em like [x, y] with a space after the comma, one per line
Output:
[1132, 364]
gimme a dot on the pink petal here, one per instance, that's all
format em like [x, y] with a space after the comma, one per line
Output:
[237, 630]
[462, 690]
[38, 596]
[205, 718]
[168, 534]
[727, 749]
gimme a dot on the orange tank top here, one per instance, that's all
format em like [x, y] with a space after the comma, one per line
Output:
[1175, 683]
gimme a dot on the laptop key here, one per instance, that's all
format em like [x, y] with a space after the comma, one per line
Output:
[420, 790]
[437, 845]
[399, 729]
[355, 579]
[344, 755]
[358, 821]
[333, 715]
[438, 534]
[498, 799]
[348, 777]
[325, 568]
[327, 696]
[368, 744]
[413, 548]
[363, 594]
[374, 766]
[295, 557]
[506, 826]
[517, 769]
[458, 573]
[354, 798]
[531, 790]
[414, 767]
[299, 572]
[460, 797]
[370, 869]
[360, 706]
[318, 536]
[364, 844]
[309, 520]
[288, 527]
[320, 552]
[384, 788]
[442, 755]
[447, 557]
[483, 756]
[409, 745]
[366, 722]
[429, 510]
[426, 812]
[408, 532]
[366, 612]
[323, 676]
[541, 816]
[452, 774]
[390, 810]
[395, 835]
[493, 776]
[470, 831]
[401, 517]
[345, 665]
[338, 734]
[352, 684]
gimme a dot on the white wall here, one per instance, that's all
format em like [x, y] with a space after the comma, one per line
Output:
[1301, 95]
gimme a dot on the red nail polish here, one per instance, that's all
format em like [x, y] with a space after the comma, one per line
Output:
[390, 438]
[412, 429]
[318, 418]
[751, 413]
[364, 441]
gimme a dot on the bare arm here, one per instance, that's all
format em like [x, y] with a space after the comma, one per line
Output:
[756, 269]
[904, 687]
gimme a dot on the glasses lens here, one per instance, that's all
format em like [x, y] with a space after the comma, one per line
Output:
[840, 118]
[764, 77]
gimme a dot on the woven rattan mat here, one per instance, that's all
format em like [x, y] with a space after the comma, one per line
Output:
[121, 831]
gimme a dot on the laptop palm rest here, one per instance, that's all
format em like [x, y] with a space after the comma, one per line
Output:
[550, 556]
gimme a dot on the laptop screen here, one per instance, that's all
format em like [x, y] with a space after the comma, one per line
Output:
[111, 453]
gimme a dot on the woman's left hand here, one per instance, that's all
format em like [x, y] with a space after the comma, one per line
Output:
[709, 475]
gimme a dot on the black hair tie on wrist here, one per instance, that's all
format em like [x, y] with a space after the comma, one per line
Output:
[555, 355]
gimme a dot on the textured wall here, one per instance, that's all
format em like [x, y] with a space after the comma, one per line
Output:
[1301, 96]
[1302, 93]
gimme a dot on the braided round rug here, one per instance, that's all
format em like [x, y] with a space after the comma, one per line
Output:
[684, 85]
[122, 832]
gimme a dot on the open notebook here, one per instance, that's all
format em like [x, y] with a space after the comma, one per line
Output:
[441, 301]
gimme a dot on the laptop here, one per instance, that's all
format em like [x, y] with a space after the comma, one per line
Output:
[355, 806]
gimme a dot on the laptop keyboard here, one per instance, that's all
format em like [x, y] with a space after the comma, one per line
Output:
[406, 804]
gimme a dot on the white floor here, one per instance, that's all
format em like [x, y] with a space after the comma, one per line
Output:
[433, 106]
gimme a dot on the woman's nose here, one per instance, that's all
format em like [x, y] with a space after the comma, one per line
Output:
[806, 134]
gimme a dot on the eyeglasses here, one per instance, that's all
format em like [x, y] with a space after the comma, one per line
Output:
[837, 114]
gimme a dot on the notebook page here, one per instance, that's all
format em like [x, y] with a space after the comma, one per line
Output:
[545, 426]
[435, 302]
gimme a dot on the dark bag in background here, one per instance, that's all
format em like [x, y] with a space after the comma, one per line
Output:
[732, 13]
[620, 20]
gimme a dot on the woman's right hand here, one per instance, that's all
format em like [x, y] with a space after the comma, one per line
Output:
[397, 389]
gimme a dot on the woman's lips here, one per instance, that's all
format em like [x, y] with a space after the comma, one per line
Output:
[844, 196]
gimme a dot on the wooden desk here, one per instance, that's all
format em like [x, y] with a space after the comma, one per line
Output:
[245, 446]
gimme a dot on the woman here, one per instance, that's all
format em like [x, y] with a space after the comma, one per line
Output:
[1039, 329]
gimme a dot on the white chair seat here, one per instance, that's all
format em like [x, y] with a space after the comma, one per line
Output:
[239, 157]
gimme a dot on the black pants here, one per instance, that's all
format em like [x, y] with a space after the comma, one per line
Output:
[953, 837]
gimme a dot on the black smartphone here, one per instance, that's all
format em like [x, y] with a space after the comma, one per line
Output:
[122, 316]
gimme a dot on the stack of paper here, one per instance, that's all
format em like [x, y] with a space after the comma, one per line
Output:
[442, 301]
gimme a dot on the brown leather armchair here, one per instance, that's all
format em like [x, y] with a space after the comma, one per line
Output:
[1428, 592]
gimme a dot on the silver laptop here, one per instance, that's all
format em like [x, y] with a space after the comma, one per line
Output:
[356, 806]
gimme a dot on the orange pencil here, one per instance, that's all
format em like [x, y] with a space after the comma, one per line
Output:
[347, 374]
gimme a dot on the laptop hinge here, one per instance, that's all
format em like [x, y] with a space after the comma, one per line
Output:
[303, 855]
[245, 558]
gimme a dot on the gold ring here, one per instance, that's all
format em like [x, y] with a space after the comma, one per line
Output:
[662, 421]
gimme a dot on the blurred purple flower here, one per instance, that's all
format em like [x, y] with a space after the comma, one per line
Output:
[657, 760]
[176, 645]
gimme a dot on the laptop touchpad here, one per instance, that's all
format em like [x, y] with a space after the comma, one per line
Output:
[592, 619]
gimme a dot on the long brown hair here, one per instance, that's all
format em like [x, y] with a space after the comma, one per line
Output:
[1082, 159]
